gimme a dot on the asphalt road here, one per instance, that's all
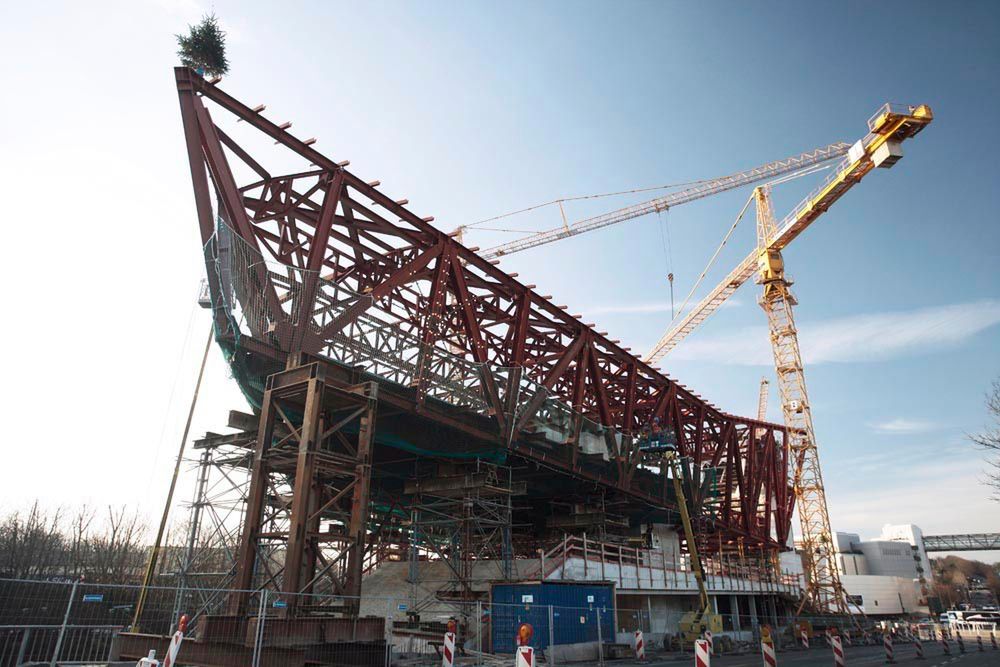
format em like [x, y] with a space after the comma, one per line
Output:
[870, 655]
[855, 655]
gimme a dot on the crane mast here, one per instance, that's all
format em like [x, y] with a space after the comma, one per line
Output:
[699, 191]
[823, 587]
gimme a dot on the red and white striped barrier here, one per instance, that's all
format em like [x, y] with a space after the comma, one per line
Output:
[804, 636]
[847, 638]
[149, 661]
[640, 646]
[767, 652]
[979, 641]
[828, 634]
[525, 657]
[838, 651]
[993, 639]
[448, 650]
[945, 644]
[887, 642]
[961, 642]
[711, 642]
[702, 658]
[175, 643]
[919, 648]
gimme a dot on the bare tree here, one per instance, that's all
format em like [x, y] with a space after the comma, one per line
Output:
[31, 544]
[989, 440]
[117, 554]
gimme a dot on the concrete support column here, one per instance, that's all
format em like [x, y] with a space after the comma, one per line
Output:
[734, 605]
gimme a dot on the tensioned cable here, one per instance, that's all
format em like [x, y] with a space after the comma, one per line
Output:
[581, 197]
[711, 262]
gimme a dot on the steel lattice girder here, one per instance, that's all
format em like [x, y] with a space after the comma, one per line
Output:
[327, 222]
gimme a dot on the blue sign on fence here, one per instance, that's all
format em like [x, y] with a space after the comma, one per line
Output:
[279, 603]
[401, 607]
[97, 597]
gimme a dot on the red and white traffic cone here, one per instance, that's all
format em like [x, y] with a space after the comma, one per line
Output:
[887, 642]
[640, 646]
[804, 636]
[919, 647]
[525, 657]
[702, 657]
[175, 643]
[961, 642]
[979, 641]
[767, 652]
[838, 651]
[711, 642]
[448, 650]
[525, 654]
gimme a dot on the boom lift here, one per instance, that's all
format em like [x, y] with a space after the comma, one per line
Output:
[694, 623]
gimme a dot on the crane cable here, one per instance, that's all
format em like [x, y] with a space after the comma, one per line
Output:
[668, 255]
[579, 198]
[784, 179]
[711, 261]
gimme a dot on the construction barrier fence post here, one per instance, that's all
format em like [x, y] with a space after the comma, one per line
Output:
[549, 657]
[804, 635]
[838, 650]
[62, 629]
[961, 642]
[993, 639]
[640, 646]
[600, 639]
[525, 657]
[945, 644]
[979, 641]
[887, 642]
[702, 658]
[711, 642]
[919, 648]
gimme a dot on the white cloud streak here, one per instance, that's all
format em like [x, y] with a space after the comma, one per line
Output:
[857, 338]
[903, 426]
[653, 307]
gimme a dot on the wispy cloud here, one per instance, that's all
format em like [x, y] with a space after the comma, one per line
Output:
[858, 338]
[903, 426]
[652, 307]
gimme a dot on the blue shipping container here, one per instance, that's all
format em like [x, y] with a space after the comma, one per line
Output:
[576, 608]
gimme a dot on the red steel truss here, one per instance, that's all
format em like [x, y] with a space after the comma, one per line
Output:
[335, 228]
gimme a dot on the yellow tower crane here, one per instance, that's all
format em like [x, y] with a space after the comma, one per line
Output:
[881, 147]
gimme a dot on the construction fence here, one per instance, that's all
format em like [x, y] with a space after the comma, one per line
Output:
[75, 622]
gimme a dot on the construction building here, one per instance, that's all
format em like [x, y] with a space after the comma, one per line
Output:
[425, 423]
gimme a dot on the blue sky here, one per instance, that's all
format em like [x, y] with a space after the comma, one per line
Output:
[471, 110]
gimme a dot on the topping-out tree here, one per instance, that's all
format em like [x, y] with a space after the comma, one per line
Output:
[204, 47]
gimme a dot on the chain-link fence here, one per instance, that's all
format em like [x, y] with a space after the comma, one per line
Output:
[76, 622]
